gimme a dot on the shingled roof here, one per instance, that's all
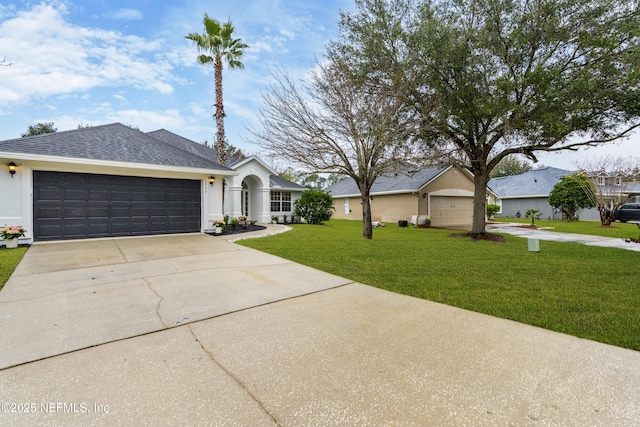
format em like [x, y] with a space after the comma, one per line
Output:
[277, 182]
[535, 183]
[406, 182]
[113, 142]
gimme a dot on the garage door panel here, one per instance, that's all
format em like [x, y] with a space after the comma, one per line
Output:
[451, 211]
[98, 195]
[139, 196]
[49, 193]
[54, 212]
[74, 211]
[97, 228]
[120, 195]
[74, 229]
[72, 205]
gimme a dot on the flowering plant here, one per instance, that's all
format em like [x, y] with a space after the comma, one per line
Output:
[274, 217]
[219, 223]
[11, 232]
[242, 218]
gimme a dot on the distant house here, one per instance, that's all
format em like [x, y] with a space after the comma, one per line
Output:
[111, 180]
[445, 194]
[518, 193]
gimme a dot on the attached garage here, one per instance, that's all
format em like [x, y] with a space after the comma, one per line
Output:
[70, 205]
[451, 211]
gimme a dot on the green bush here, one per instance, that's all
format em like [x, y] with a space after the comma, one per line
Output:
[314, 206]
[492, 210]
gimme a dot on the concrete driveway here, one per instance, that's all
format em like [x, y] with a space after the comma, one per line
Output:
[195, 330]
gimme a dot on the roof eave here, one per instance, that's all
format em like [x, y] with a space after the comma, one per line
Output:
[114, 164]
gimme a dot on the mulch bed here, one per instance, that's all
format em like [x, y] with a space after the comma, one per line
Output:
[482, 236]
[227, 231]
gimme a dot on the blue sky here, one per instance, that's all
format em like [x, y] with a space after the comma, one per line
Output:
[104, 61]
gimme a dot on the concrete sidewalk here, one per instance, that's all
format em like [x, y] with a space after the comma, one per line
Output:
[515, 229]
[194, 330]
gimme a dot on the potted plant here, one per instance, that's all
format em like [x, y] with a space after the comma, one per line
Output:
[274, 219]
[11, 233]
[219, 224]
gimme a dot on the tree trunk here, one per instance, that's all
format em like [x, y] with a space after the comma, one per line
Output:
[219, 115]
[367, 228]
[479, 202]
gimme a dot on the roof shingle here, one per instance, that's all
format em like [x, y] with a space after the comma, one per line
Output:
[113, 142]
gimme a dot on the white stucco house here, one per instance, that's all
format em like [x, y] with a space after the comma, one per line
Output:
[111, 180]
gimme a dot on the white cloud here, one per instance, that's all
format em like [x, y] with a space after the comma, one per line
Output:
[126, 14]
[146, 120]
[52, 56]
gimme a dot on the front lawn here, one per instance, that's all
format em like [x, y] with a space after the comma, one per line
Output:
[586, 291]
[9, 260]
[617, 229]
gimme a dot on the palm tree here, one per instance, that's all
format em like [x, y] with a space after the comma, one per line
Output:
[216, 44]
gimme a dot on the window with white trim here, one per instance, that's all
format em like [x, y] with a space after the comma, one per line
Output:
[280, 201]
[346, 206]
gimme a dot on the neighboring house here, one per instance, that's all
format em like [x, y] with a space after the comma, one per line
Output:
[445, 194]
[518, 193]
[111, 180]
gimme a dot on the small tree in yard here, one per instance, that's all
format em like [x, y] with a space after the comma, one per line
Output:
[533, 214]
[314, 206]
[570, 197]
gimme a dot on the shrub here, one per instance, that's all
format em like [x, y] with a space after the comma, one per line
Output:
[492, 210]
[314, 206]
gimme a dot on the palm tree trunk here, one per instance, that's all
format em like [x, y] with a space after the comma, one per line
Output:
[219, 115]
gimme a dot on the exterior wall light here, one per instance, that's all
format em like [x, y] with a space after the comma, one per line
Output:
[212, 179]
[12, 168]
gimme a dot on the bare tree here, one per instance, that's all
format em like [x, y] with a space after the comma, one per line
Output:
[610, 180]
[336, 122]
[4, 63]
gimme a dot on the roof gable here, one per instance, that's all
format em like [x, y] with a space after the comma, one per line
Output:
[401, 182]
[113, 142]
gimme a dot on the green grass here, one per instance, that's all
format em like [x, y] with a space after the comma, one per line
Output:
[9, 260]
[618, 229]
[589, 292]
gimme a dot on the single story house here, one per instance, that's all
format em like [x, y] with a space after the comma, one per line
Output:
[111, 180]
[442, 193]
[518, 193]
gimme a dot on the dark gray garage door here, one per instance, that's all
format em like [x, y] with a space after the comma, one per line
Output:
[80, 205]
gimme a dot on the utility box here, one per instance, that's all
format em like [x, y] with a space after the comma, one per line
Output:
[534, 245]
[403, 223]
